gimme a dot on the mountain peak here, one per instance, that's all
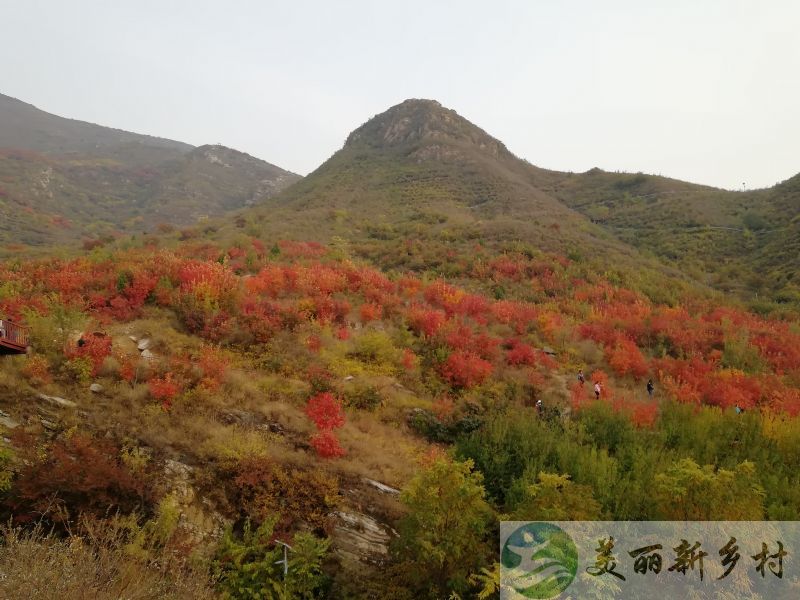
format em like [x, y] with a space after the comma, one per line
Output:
[416, 123]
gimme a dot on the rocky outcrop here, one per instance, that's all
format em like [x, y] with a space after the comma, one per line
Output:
[198, 518]
[56, 401]
[361, 538]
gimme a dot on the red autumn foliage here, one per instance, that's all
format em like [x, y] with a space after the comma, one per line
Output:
[214, 366]
[520, 353]
[327, 444]
[79, 475]
[164, 389]
[409, 359]
[626, 359]
[465, 369]
[370, 311]
[95, 347]
[578, 395]
[325, 410]
[37, 369]
[314, 343]
[426, 321]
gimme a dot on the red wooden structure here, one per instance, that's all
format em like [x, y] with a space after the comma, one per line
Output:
[13, 338]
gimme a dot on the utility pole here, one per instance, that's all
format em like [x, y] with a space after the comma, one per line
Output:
[284, 562]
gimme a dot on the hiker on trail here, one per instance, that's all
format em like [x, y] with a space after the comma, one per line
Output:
[539, 406]
[597, 388]
[739, 410]
[650, 388]
[580, 376]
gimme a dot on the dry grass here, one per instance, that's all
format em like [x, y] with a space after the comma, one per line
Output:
[38, 566]
[380, 451]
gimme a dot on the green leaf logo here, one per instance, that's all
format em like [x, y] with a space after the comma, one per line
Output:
[539, 560]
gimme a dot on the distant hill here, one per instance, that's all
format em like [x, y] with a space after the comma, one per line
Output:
[63, 180]
[744, 242]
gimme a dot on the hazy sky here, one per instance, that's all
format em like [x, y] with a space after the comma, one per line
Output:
[703, 90]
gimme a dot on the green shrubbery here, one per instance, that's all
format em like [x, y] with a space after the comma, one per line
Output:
[249, 567]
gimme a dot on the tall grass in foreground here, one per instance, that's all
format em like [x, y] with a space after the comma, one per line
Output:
[36, 565]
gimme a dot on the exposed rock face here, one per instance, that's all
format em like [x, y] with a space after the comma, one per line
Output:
[197, 516]
[6, 421]
[382, 487]
[359, 537]
[427, 127]
[56, 401]
[96, 388]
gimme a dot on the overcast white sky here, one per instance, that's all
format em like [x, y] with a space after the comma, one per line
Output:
[702, 90]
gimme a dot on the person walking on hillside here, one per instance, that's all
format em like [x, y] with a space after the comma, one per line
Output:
[539, 407]
[650, 388]
[581, 377]
[597, 389]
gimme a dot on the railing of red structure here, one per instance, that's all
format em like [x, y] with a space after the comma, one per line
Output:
[16, 334]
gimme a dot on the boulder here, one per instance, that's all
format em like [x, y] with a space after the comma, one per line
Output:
[56, 401]
[143, 344]
[6, 420]
[382, 487]
[96, 388]
[147, 355]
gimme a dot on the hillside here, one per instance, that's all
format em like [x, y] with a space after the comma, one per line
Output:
[739, 242]
[421, 171]
[64, 181]
[351, 413]
[373, 364]
[419, 187]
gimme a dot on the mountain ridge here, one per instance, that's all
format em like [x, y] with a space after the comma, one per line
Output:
[64, 181]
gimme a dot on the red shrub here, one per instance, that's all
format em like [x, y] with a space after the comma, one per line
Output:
[425, 321]
[327, 444]
[520, 353]
[370, 311]
[626, 359]
[409, 359]
[164, 389]
[95, 347]
[325, 411]
[214, 366]
[79, 475]
[465, 369]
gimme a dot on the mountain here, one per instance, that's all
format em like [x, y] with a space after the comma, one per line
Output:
[23, 126]
[63, 180]
[418, 184]
[420, 171]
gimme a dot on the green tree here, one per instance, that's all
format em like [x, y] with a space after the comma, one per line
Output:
[442, 536]
[556, 498]
[247, 567]
[50, 332]
[689, 492]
